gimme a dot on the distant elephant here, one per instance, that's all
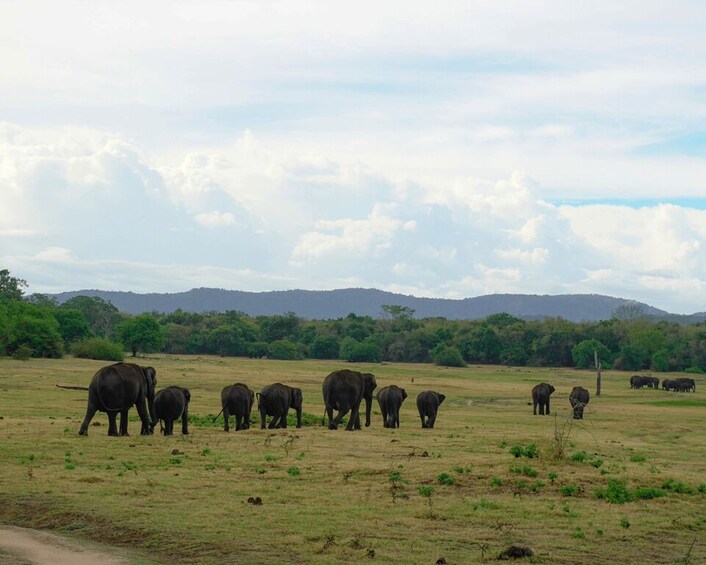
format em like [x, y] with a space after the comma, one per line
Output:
[390, 399]
[652, 382]
[170, 404]
[428, 403]
[238, 400]
[344, 390]
[685, 384]
[275, 400]
[668, 384]
[114, 389]
[540, 396]
[636, 381]
[578, 398]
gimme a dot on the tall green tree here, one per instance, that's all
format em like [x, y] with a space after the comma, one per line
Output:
[141, 333]
[101, 315]
[11, 288]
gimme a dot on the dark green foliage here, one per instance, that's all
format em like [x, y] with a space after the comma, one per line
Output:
[31, 327]
[141, 333]
[283, 349]
[360, 352]
[677, 486]
[447, 356]
[11, 288]
[648, 493]
[445, 479]
[530, 451]
[97, 348]
[583, 354]
[73, 325]
[616, 492]
[101, 315]
[307, 419]
[324, 347]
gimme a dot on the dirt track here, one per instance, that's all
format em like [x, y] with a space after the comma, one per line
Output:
[20, 546]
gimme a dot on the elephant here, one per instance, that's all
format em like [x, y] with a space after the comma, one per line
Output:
[540, 396]
[390, 399]
[637, 381]
[685, 384]
[275, 400]
[114, 389]
[428, 403]
[652, 382]
[170, 404]
[578, 398]
[236, 399]
[344, 390]
[668, 384]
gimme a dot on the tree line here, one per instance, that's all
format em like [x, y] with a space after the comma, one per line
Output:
[92, 327]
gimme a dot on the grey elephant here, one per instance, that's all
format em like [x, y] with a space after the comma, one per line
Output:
[275, 400]
[170, 404]
[685, 384]
[578, 399]
[115, 389]
[390, 399]
[343, 391]
[428, 403]
[236, 399]
[540, 397]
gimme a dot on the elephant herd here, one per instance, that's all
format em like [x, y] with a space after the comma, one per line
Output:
[541, 393]
[116, 388]
[681, 384]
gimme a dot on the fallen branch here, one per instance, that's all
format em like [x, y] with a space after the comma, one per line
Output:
[73, 387]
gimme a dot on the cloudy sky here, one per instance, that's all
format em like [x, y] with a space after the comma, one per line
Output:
[446, 149]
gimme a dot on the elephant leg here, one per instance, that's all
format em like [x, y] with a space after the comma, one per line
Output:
[354, 421]
[167, 426]
[421, 417]
[283, 420]
[383, 411]
[185, 424]
[273, 423]
[226, 417]
[263, 418]
[112, 427]
[90, 412]
[547, 407]
[332, 425]
[534, 409]
[238, 422]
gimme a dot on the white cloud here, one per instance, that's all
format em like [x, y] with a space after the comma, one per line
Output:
[215, 219]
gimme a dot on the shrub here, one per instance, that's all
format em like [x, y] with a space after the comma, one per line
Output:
[530, 451]
[579, 456]
[695, 370]
[648, 493]
[702, 488]
[638, 458]
[571, 490]
[447, 356]
[616, 492]
[294, 471]
[677, 486]
[283, 349]
[445, 479]
[23, 353]
[97, 348]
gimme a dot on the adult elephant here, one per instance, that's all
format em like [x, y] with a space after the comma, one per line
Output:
[343, 391]
[275, 400]
[236, 399]
[540, 397]
[428, 403]
[115, 389]
[685, 384]
[390, 399]
[170, 404]
[578, 399]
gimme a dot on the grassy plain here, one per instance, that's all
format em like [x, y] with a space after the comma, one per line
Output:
[357, 497]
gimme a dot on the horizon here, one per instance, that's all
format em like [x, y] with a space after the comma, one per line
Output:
[460, 151]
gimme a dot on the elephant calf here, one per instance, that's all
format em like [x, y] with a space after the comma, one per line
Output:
[428, 403]
[578, 398]
[390, 399]
[170, 404]
[540, 397]
[275, 400]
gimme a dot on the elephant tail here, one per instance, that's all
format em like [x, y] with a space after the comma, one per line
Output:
[216, 416]
[73, 387]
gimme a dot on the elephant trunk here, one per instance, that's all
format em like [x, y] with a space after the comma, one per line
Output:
[150, 408]
[368, 407]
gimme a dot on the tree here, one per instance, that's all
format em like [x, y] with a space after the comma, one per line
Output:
[583, 353]
[283, 349]
[447, 356]
[324, 347]
[10, 287]
[34, 329]
[72, 325]
[141, 333]
[100, 314]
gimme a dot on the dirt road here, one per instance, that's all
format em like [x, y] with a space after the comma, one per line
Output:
[20, 546]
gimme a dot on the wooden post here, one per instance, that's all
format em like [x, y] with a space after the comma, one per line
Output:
[598, 372]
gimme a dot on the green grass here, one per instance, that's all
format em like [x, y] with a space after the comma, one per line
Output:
[409, 495]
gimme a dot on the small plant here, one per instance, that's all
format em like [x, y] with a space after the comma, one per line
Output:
[552, 477]
[445, 479]
[484, 504]
[461, 470]
[294, 471]
[206, 451]
[597, 463]
[702, 488]
[261, 470]
[647, 493]
[270, 458]
[571, 490]
[579, 457]
[677, 486]
[624, 523]
[427, 492]
[578, 533]
[496, 482]
[616, 492]
[536, 485]
[175, 460]
[638, 458]
[530, 451]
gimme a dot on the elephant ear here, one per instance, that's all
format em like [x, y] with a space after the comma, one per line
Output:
[442, 397]
[187, 395]
[404, 393]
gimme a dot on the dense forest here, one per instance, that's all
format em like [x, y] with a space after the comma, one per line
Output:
[86, 326]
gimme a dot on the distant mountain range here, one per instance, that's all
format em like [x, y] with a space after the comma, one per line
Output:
[332, 304]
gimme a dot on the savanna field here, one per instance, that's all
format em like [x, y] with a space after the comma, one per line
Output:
[625, 485]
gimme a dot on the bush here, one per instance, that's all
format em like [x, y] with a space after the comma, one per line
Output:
[695, 370]
[648, 493]
[616, 492]
[361, 352]
[97, 348]
[284, 350]
[445, 479]
[447, 356]
[677, 486]
[23, 353]
[530, 451]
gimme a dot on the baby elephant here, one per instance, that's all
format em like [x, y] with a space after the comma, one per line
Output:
[428, 403]
[578, 399]
[540, 397]
[170, 404]
[390, 399]
[236, 400]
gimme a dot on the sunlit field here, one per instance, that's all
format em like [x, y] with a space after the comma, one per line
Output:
[625, 485]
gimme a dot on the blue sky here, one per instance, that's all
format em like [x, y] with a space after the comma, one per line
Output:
[468, 149]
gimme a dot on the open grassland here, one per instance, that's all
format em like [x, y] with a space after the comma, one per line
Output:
[376, 495]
